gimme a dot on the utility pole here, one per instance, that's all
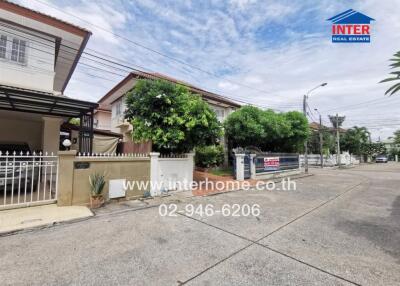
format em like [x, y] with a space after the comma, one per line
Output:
[338, 159]
[305, 97]
[321, 142]
[337, 122]
[306, 141]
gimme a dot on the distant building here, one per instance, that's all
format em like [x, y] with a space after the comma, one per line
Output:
[390, 145]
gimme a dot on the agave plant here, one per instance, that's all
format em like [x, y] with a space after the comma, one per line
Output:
[97, 183]
[395, 65]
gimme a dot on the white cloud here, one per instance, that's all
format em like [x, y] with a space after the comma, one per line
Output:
[223, 38]
[225, 85]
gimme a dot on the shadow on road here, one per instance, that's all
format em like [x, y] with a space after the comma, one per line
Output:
[385, 233]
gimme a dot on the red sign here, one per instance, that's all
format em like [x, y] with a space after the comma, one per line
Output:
[271, 163]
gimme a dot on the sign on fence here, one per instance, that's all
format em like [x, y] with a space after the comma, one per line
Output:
[271, 163]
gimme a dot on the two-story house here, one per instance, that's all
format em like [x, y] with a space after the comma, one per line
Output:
[38, 55]
[112, 104]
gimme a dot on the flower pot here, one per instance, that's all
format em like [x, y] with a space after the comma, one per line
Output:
[96, 202]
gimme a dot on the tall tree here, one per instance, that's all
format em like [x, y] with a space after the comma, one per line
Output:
[396, 75]
[244, 127]
[354, 138]
[175, 120]
[267, 130]
[397, 137]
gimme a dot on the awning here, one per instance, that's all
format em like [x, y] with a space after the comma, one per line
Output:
[26, 100]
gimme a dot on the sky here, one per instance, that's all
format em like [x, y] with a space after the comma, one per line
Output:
[268, 53]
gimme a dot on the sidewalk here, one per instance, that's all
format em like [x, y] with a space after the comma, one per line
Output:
[30, 217]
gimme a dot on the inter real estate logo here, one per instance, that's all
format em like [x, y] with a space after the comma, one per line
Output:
[351, 27]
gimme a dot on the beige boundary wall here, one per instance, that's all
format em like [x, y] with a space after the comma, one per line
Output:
[73, 182]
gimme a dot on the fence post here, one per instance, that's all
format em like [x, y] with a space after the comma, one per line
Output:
[65, 177]
[154, 174]
[252, 166]
[239, 166]
[190, 157]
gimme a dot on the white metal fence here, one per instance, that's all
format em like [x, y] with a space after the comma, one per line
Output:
[27, 179]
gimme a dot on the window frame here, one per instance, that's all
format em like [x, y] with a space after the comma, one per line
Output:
[3, 47]
[10, 50]
[16, 51]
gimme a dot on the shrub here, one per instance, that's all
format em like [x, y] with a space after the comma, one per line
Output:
[209, 156]
[97, 183]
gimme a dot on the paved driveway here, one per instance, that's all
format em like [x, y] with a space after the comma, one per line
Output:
[337, 228]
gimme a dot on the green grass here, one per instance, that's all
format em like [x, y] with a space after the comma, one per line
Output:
[222, 171]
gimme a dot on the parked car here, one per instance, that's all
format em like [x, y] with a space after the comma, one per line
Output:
[381, 159]
[19, 169]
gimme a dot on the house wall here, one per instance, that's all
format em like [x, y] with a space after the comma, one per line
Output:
[21, 130]
[222, 111]
[103, 119]
[42, 133]
[117, 115]
[37, 72]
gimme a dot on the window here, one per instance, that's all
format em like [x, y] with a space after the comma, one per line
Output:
[220, 113]
[3, 46]
[118, 108]
[18, 51]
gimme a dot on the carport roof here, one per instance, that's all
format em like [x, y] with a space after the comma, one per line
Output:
[26, 100]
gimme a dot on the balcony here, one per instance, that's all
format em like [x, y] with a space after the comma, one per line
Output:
[120, 122]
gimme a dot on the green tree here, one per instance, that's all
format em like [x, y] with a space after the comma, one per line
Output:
[277, 128]
[175, 120]
[328, 140]
[396, 75]
[267, 130]
[75, 121]
[299, 131]
[353, 139]
[244, 127]
[397, 137]
[373, 149]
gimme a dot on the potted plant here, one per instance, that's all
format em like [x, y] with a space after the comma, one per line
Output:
[97, 183]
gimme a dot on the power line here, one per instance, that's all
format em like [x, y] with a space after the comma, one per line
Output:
[130, 68]
[152, 50]
[357, 105]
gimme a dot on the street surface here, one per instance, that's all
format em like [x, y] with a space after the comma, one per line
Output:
[340, 227]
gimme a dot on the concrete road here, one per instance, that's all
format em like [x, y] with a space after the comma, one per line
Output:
[336, 228]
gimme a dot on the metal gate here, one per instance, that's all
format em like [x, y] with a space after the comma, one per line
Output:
[27, 179]
[247, 166]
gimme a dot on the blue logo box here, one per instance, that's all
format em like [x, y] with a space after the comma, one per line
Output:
[351, 39]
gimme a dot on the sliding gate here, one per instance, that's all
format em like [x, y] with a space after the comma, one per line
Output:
[27, 179]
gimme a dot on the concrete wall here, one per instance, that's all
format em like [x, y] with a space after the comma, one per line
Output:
[167, 171]
[73, 183]
[330, 160]
[38, 71]
[51, 134]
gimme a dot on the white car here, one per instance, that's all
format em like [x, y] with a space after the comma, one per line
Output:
[381, 159]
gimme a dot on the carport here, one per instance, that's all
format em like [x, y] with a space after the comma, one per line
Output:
[34, 117]
[38, 115]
